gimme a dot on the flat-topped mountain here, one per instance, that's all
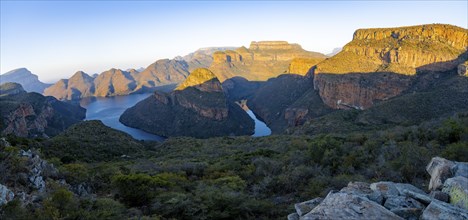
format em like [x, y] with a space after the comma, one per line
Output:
[33, 115]
[403, 50]
[261, 61]
[299, 99]
[23, 76]
[198, 108]
[379, 63]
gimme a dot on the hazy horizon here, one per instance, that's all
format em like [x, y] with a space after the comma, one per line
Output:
[55, 39]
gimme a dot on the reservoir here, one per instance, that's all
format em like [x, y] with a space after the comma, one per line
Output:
[109, 109]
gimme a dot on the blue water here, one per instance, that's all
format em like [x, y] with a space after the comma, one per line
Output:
[109, 109]
[261, 129]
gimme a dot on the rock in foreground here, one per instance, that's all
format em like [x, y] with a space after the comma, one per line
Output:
[388, 200]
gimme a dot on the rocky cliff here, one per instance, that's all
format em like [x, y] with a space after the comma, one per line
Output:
[377, 63]
[31, 114]
[23, 76]
[198, 108]
[388, 200]
[261, 61]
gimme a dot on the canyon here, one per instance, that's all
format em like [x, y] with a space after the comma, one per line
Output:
[198, 107]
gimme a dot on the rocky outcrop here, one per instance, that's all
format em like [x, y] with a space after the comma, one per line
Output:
[198, 108]
[439, 210]
[451, 178]
[6, 195]
[262, 60]
[37, 167]
[28, 80]
[457, 189]
[440, 170]
[10, 88]
[377, 63]
[31, 114]
[348, 206]
[388, 200]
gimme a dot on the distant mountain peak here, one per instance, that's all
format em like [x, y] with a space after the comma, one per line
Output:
[16, 71]
[29, 81]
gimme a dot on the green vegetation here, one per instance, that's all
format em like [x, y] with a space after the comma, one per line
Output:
[226, 177]
[81, 140]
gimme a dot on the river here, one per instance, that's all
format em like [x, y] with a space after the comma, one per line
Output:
[109, 109]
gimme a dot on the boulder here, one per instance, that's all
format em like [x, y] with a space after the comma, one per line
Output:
[305, 207]
[460, 169]
[408, 213]
[440, 169]
[401, 186]
[443, 211]
[361, 188]
[439, 195]
[342, 205]
[393, 202]
[387, 189]
[457, 188]
[404, 206]
[425, 199]
[293, 216]
[6, 195]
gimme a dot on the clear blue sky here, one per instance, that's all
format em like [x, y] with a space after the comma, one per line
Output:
[54, 39]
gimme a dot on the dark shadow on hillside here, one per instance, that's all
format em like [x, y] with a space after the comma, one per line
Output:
[285, 101]
[164, 88]
[239, 88]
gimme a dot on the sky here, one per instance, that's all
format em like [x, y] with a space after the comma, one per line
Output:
[54, 39]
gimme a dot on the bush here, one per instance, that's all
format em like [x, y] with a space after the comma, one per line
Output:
[137, 189]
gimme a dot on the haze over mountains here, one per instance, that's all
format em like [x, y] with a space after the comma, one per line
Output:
[23, 76]
[262, 60]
